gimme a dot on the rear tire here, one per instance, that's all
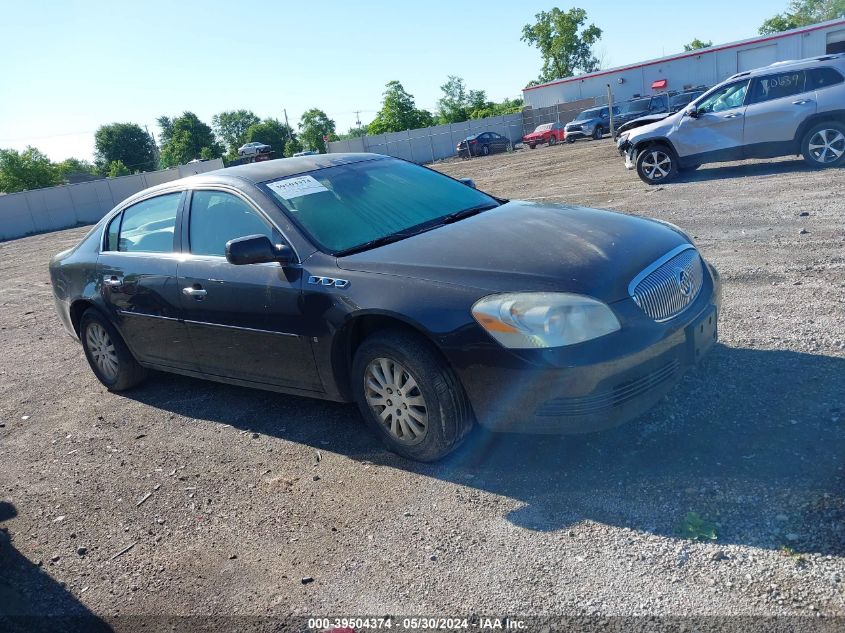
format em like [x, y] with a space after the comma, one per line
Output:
[824, 145]
[485, 150]
[409, 396]
[552, 140]
[598, 133]
[656, 164]
[533, 146]
[109, 357]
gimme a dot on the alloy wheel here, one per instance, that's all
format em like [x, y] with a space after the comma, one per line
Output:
[827, 146]
[396, 400]
[657, 164]
[102, 351]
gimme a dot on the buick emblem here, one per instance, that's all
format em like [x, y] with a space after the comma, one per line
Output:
[684, 283]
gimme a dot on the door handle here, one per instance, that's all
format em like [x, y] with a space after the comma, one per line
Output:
[735, 115]
[802, 102]
[112, 281]
[196, 293]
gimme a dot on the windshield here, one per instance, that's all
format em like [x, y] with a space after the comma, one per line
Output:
[679, 101]
[640, 105]
[344, 207]
[586, 115]
[543, 128]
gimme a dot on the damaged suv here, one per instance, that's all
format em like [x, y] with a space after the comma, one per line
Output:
[788, 108]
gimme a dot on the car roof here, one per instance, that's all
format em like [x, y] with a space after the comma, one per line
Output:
[797, 64]
[254, 173]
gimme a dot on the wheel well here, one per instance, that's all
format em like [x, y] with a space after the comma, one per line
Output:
[350, 337]
[77, 309]
[833, 115]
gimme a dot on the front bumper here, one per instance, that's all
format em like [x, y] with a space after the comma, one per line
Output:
[598, 384]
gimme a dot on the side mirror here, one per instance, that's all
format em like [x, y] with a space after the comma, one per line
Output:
[256, 249]
[469, 182]
[693, 113]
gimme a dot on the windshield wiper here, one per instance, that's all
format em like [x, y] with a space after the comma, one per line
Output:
[384, 239]
[465, 213]
[416, 230]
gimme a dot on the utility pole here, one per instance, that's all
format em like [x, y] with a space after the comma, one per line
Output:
[287, 125]
[610, 110]
[357, 118]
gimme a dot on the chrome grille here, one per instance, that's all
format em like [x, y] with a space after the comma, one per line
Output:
[666, 287]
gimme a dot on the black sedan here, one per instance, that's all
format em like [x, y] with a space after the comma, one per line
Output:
[358, 277]
[483, 144]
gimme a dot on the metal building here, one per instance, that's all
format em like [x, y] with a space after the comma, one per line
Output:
[706, 66]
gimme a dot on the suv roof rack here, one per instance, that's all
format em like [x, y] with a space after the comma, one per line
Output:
[827, 58]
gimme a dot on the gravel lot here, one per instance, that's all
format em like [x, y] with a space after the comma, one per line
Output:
[230, 498]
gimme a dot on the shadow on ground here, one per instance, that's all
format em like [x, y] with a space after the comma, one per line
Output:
[751, 440]
[745, 170]
[30, 600]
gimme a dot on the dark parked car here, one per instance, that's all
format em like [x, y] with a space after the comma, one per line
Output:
[551, 133]
[660, 107]
[359, 277]
[483, 144]
[592, 123]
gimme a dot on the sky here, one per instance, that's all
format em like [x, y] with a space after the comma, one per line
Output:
[69, 66]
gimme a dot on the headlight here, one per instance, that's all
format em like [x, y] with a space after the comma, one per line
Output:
[623, 138]
[530, 320]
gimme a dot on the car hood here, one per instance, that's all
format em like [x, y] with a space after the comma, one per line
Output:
[523, 246]
[647, 119]
[661, 127]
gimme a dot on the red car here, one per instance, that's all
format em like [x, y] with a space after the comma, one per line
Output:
[551, 133]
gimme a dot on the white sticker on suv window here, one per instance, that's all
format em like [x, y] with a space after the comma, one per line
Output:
[296, 187]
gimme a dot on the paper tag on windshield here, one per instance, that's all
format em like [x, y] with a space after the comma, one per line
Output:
[296, 187]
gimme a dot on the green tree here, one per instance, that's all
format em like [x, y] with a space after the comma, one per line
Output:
[29, 169]
[272, 132]
[185, 138]
[490, 108]
[74, 166]
[313, 126]
[292, 146]
[126, 142]
[117, 168]
[231, 126]
[452, 107]
[565, 44]
[354, 132]
[803, 13]
[398, 112]
[697, 44]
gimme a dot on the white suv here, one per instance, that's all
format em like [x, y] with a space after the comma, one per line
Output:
[788, 108]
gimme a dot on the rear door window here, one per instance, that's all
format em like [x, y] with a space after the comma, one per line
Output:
[148, 227]
[777, 86]
[823, 77]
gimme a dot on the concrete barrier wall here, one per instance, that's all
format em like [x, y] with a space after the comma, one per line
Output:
[62, 207]
[426, 145]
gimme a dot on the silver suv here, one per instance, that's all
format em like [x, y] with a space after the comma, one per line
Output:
[788, 108]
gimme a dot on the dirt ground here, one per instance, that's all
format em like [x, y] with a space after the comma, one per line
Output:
[184, 497]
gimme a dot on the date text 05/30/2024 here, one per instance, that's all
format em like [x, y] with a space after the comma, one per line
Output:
[352, 624]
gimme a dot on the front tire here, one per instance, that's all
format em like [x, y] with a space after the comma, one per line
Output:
[824, 145]
[109, 357]
[570, 139]
[656, 164]
[409, 396]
